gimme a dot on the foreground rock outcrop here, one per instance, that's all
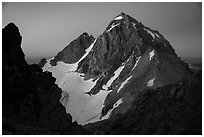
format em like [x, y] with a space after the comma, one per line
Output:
[42, 62]
[30, 97]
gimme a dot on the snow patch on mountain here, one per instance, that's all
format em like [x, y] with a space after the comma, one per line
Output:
[80, 105]
[151, 33]
[150, 83]
[88, 50]
[110, 111]
[75, 65]
[157, 35]
[134, 25]
[118, 18]
[112, 26]
[138, 59]
[116, 74]
[59, 70]
[151, 54]
[124, 83]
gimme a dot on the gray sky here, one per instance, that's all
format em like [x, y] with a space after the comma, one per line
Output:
[47, 28]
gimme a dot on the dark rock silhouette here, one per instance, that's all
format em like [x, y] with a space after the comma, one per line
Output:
[74, 51]
[42, 62]
[11, 46]
[30, 97]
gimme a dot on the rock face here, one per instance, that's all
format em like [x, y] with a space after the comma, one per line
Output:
[30, 97]
[155, 91]
[145, 88]
[42, 62]
[143, 52]
[174, 109]
[74, 51]
[11, 46]
[145, 57]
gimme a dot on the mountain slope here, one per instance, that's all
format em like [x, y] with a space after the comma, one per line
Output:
[74, 51]
[174, 109]
[126, 43]
[125, 61]
[148, 60]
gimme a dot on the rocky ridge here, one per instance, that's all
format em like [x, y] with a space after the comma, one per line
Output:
[143, 56]
[30, 102]
[150, 89]
[74, 51]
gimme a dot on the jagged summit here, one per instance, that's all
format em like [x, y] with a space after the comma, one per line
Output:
[121, 16]
[125, 61]
[85, 34]
[11, 25]
[11, 29]
[125, 41]
[30, 98]
[127, 25]
[120, 19]
[11, 42]
[123, 37]
[74, 50]
[124, 16]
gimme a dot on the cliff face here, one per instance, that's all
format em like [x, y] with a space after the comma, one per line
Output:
[174, 109]
[155, 91]
[143, 52]
[130, 81]
[42, 62]
[74, 51]
[30, 97]
[11, 50]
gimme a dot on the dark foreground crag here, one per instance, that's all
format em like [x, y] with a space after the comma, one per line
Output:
[30, 97]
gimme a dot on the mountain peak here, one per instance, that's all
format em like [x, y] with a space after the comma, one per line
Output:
[11, 24]
[85, 34]
[128, 58]
[122, 19]
[124, 40]
[121, 15]
[11, 29]
[12, 52]
[74, 50]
